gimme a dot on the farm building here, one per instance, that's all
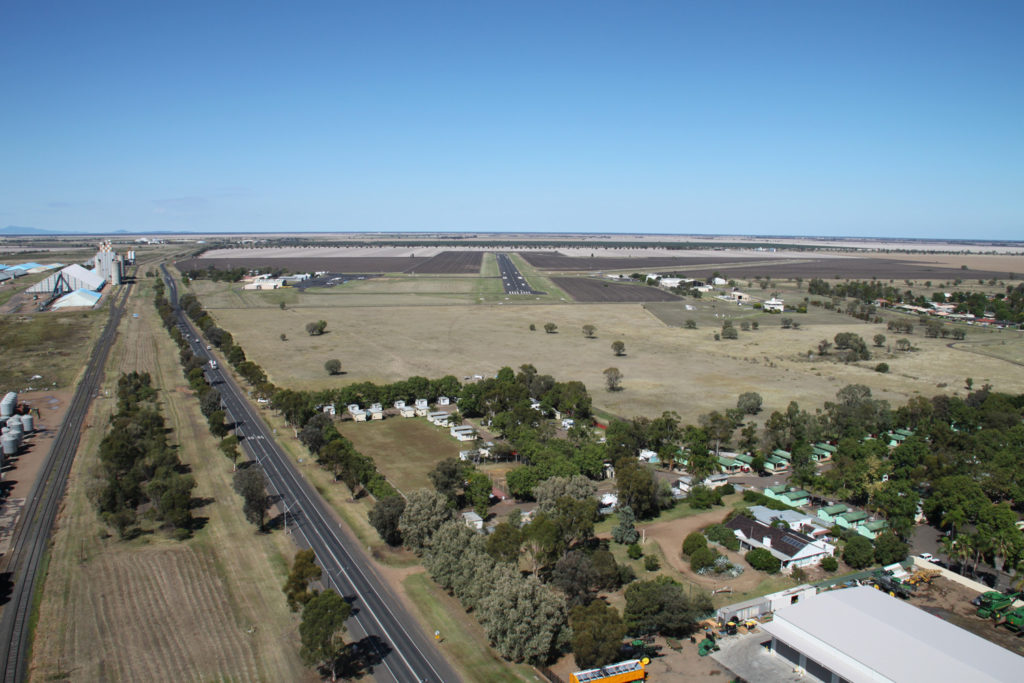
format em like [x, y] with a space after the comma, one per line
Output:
[851, 635]
[443, 401]
[792, 548]
[399, 404]
[361, 416]
[766, 604]
[407, 411]
[773, 305]
[473, 520]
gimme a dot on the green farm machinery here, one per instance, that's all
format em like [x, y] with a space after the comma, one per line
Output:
[885, 581]
[993, 604]
[1014, 620]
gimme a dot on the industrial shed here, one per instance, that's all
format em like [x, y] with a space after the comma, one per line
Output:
[862, 634]
[69, 279]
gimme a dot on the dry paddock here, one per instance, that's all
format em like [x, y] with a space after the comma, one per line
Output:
[664, 368]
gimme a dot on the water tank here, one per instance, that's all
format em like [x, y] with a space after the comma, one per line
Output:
[9, 444]
[28, 423]
[14, 422]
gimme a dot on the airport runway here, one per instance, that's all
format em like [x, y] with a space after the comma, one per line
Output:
[512, 279]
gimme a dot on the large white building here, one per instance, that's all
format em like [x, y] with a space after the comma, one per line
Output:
[862, 634]
[68, 280]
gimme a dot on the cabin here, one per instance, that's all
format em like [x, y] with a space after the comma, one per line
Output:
[829, 514]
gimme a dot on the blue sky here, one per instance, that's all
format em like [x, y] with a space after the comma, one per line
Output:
[802, 118]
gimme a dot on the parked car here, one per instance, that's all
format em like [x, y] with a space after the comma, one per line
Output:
[927, 557]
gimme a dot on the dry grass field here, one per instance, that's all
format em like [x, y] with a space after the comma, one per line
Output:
[665, 368]
[153, 609]
[405, 449]
[54, 345]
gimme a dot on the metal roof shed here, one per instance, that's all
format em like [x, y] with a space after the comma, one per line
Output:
[854, 633]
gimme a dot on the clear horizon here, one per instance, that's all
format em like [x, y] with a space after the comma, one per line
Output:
[860, 120]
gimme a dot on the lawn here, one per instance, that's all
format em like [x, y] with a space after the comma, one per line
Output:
[405, 449]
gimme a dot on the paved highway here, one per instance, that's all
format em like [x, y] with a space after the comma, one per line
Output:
[21, 565]
[511, 278]
[406, 653]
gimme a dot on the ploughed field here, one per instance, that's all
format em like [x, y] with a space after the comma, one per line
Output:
[451, 263]
[445, 263]
[809, 266]
[354, 264]
[553, 260]
[590, 290]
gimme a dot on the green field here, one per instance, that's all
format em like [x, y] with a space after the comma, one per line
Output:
[405, 449]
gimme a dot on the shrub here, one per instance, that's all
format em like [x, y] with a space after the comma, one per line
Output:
[701, 558]
[830, 564]
[882, 367]
[762, 560]
[722, 535]
[726, 490]
[694, 542]
[634, 552]
[702, 498]
[651, 563]
[859, 553]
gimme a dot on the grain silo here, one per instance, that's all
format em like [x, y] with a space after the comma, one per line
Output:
[9, 404]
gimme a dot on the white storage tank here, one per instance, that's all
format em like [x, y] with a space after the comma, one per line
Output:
[28, 423]
[9, 444]
[9, 404]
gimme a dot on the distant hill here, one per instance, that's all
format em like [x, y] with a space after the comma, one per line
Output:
[18, 230]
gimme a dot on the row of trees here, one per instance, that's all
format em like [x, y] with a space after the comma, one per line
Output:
[138, 467]
[555, 606]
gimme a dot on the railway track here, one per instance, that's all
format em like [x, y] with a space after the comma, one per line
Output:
[32, 537]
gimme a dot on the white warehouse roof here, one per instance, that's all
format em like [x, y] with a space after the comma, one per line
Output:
[75, 275]
[863, 634]
[77, 298]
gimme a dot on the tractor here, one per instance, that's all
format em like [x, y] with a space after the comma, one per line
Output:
[885, 581]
